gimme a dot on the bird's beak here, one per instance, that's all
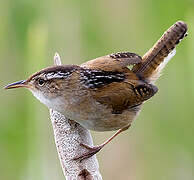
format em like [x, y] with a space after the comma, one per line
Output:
[17, 85]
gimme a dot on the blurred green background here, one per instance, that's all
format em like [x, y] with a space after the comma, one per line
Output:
[160, 144]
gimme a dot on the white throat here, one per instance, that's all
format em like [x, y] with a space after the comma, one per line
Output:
[50, 103]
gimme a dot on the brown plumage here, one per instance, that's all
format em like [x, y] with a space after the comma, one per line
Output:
[106, 93]
[147, 68]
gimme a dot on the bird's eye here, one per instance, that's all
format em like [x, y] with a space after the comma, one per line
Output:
[41, 82]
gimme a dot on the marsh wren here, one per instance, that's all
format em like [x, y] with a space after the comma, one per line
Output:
[106, 93]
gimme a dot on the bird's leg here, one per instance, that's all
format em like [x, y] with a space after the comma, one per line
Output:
[93, 150]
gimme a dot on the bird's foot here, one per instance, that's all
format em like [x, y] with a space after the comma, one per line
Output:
[91, 151]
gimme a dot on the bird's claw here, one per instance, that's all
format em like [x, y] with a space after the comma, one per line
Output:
[91, 151]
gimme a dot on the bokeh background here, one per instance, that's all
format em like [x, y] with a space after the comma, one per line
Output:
[160, 145]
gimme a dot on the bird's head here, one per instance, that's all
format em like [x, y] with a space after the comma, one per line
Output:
[48, 84]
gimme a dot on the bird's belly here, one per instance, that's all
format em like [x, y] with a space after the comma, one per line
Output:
[99, 118]
[107, 123]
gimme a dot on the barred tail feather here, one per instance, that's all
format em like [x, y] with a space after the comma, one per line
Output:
[159, 55]
[156, 74]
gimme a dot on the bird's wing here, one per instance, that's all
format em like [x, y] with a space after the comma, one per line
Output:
[114, 62]
[124, 95]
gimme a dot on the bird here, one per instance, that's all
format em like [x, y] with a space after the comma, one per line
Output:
[106, 93]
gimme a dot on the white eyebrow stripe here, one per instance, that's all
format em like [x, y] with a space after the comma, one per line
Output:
[59, 75]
